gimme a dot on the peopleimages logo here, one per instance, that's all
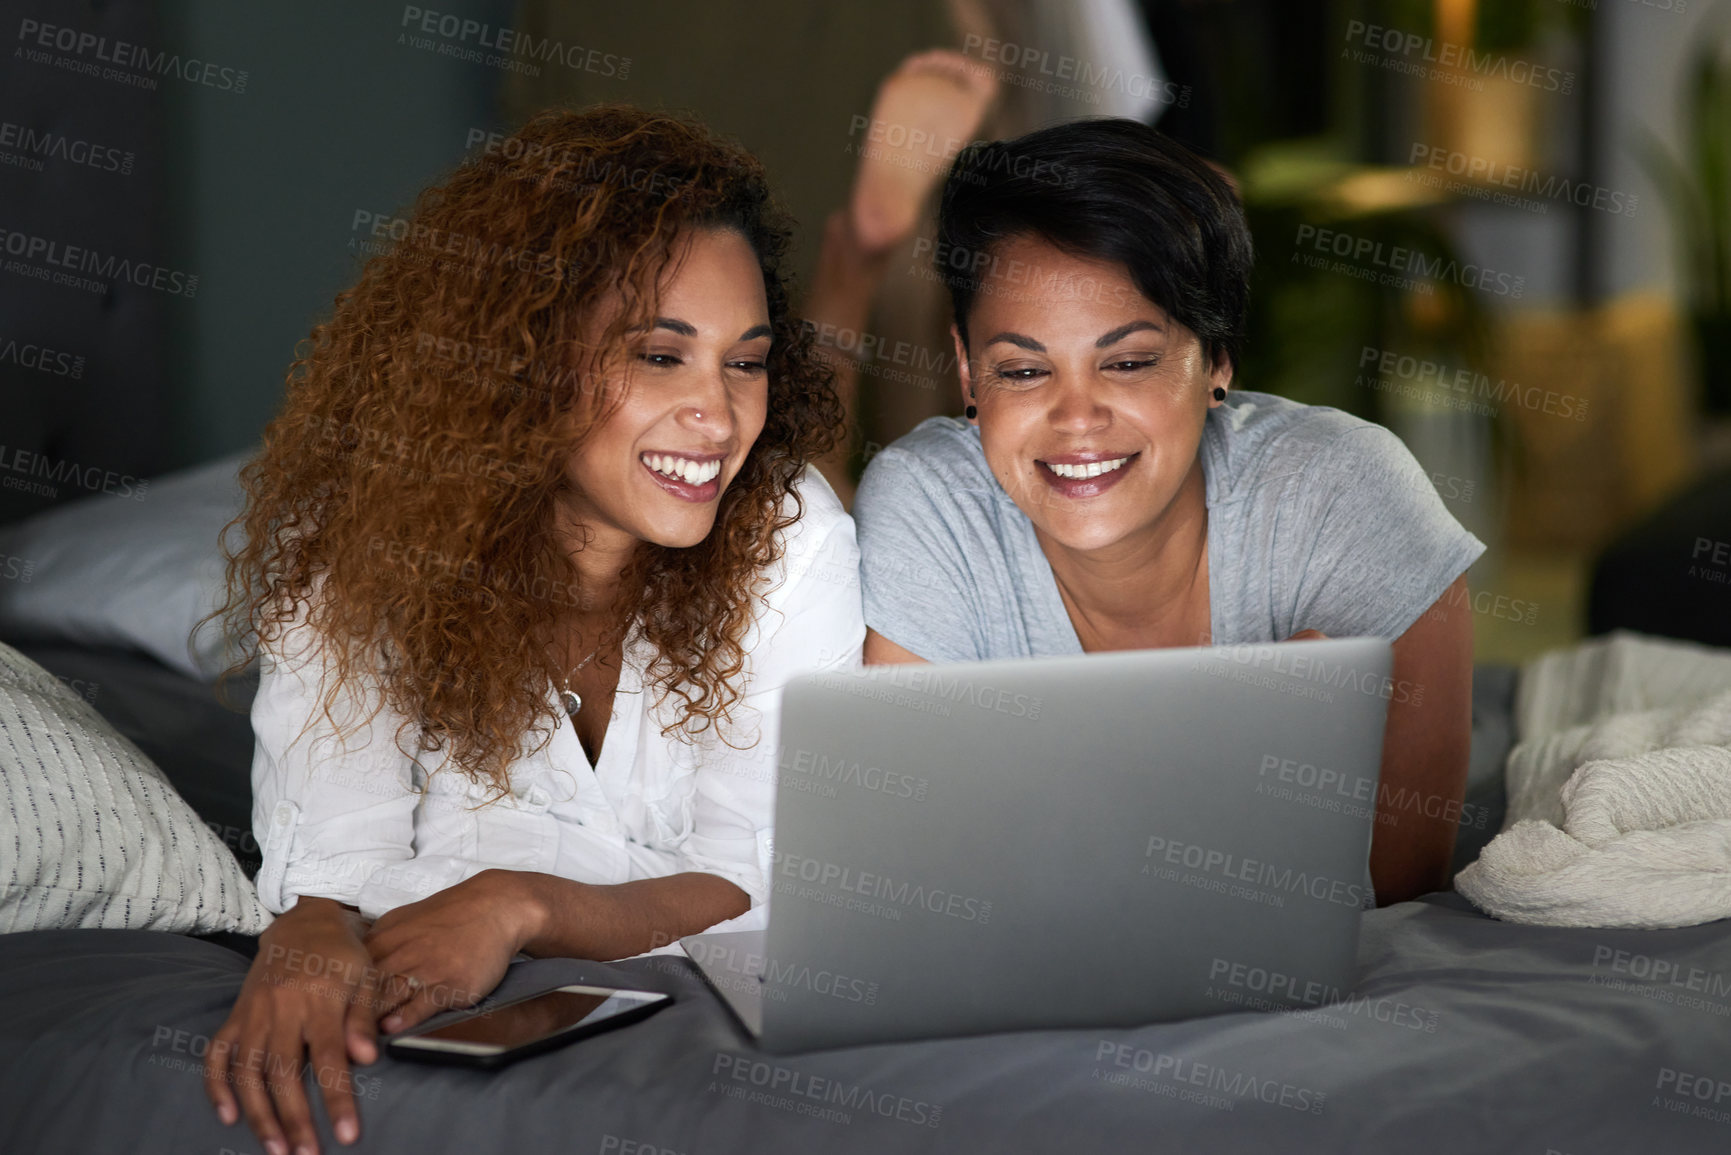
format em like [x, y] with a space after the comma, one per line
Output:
[1036, 68]
[1486, 602]
[871, 347]
[36, 37]
[828, 875]
[1663, 972]
[959, 688]
[1289, 665]
[1250, 870]
[1260, 988]
[16, 569]
[103, 268]
[503, 370]
[1690, 1085]
[842, 770]
[36, 145]
[1011, 278]
[1169, 1073]
[27, 463]
[182, 1050]
[1369, 254]
[762, 971]
[579, 168]
[1446, 381]
[1525, 180]
[516, 51]
[410, 457]
[425, 244]
[27, 355]
[1414, 54]
[806, 1094]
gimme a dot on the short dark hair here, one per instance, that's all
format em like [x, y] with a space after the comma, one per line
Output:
[1111, 189]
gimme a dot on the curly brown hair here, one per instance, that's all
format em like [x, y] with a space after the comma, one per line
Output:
[411, 475]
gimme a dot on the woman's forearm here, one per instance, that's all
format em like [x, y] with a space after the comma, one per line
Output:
[1418, 803]
[569, 919]
[1412, 849]
[1426, 749]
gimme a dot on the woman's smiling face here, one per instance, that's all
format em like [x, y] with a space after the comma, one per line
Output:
[1091, 398]
[696, 394]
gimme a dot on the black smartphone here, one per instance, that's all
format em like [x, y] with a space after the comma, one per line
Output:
[501, 1034]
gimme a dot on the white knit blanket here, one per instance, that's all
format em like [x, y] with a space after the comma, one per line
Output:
[1624, 818]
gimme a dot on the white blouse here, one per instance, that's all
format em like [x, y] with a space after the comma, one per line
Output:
[372, 826]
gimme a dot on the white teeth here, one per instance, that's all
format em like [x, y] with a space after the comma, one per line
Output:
[1083, 472]
[683, 468]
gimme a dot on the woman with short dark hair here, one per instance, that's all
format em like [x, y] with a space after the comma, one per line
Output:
[1109, 490]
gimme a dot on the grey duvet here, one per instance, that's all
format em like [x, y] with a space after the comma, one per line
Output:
[1464, 1035]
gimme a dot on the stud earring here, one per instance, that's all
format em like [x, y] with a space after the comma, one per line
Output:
[1219, 393]
[972, 412]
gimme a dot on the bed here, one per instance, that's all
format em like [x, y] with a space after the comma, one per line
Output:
[1464, 1033]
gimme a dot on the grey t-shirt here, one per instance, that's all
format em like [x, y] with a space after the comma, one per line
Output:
[1316, 520]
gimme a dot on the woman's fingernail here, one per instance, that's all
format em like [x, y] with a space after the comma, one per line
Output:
[347, 1132]
[391, 1023]
[276, 1147]
[226, 1114]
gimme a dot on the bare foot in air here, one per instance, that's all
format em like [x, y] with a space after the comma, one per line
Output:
[925, 111]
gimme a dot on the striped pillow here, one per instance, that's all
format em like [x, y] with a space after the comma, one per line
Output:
[92, 834]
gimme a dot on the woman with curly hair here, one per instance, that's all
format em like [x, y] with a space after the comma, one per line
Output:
[531, 549]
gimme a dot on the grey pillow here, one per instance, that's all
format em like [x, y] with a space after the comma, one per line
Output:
[132, 572]
[94, 834]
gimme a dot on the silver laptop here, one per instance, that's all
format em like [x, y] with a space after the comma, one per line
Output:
[1102, 840]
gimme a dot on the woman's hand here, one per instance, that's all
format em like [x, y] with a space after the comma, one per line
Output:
[454, 946]
[312, 989]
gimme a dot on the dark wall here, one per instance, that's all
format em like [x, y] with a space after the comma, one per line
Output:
[83, 391]
[234, 145]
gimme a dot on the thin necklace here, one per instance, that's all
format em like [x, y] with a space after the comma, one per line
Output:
[572, 700]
